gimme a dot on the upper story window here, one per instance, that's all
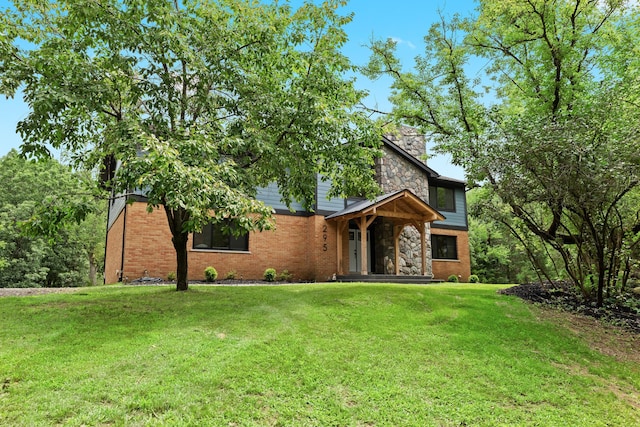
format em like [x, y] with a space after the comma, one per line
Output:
[212, 237]
[442, 198]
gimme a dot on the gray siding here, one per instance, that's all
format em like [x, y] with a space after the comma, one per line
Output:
[271, 197]
[324, 204]
[459, 217]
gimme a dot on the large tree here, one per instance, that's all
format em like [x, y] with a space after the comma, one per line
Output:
[538, 100]
[197, 104]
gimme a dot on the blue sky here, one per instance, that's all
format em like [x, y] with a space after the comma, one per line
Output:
[406, 21]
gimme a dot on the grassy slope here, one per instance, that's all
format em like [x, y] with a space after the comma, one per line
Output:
[372, 355]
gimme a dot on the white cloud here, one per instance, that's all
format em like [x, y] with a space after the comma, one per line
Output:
[399, 41]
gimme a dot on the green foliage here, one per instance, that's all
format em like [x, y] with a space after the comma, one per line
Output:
[210, 274]
[452, 278]
[491, 253]
[261, 334]
[285, 276]
[3, 244]
[557, 142]
[172, 276]
[231, 275]
[39, 255]
[474, 279]
[270, 275]
[200, 103]
[501, 249]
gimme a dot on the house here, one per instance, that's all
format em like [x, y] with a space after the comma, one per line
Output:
[417, 227]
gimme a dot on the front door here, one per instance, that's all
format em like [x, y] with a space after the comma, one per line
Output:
[354, 251]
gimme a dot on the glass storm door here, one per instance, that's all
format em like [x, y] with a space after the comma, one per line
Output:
[354, 251]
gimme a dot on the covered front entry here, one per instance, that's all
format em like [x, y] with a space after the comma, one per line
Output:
[401, 208]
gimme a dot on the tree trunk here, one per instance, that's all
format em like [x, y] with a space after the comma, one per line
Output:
[601, 285]
[93, 269]
[177, 218]
[180, 244]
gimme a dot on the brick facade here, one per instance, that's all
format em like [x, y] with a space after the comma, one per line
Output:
[303, 245]
[114, 247]
[461, 267]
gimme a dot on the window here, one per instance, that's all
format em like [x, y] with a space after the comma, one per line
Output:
[213, 237]
[444, 247]
[442, 198]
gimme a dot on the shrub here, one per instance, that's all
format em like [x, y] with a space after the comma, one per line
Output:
[210, 274]
[474, 278]
[285, 276]
[453, 278]
[171, 276]
[270, 274]
[231, 275]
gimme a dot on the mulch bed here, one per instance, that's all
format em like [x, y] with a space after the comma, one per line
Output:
[563, 295]
[222, 282]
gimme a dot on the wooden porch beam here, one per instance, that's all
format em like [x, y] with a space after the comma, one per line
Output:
[364, 268]
[423, 250]
[342, 225]
[403, 215]
[397, 231]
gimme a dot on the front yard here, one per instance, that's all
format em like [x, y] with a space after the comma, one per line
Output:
[338, 354]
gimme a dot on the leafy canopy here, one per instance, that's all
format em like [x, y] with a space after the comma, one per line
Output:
[550, 124]
[200, 102]
[196, 104]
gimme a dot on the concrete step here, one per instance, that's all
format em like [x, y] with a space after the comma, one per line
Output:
[386, 278]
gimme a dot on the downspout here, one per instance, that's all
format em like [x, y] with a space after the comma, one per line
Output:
[313, 218]
[124, 232]
[315, 195]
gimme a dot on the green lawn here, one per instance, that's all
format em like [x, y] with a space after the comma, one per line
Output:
[316, 355]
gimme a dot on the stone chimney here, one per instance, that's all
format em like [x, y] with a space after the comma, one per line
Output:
[395, 173]
[410, 140]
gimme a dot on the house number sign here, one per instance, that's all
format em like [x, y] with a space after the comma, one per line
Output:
[324, 238]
